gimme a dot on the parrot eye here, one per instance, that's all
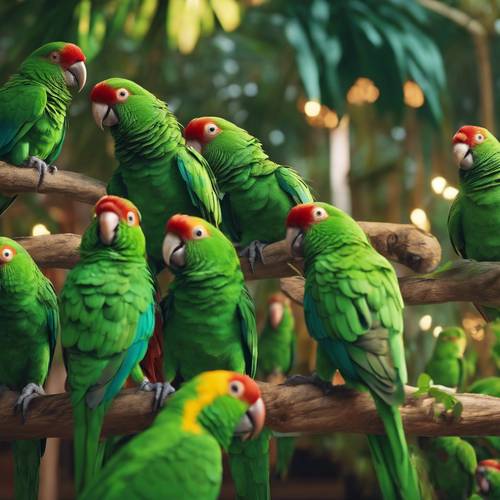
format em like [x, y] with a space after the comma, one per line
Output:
[7, 254]
[199, 232]
[54, 57]
[131, 218]
[236, 388]
[211, 129]
[122, 94]
[479, 138]
[319, 214]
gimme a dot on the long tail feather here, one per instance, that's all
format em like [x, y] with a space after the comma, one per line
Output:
[249, 461]
[396, 474]
[27, 456]
[285, 446]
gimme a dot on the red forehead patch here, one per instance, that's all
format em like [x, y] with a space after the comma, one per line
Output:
[252, 391]
[490, 463]
[181, 225]
[300, 215]
[71, 54]
[466, 134]
[119, 206]
[103, 93]
[195, 129]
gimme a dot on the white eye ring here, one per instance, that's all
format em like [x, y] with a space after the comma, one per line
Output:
[55, 57]
[211, 128]
[122, 94]
[479, 138]
[199, 232]
[236, 388]
[7, 254]
[319, 214]
[131, 218]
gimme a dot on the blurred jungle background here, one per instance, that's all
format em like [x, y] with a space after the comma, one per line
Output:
[361, 96]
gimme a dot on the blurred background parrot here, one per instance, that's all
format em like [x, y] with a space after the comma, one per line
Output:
[156, 170]
[488, 479]
[34, 106]
[447, 364]
[474, 218]
[210, 324]
[258, 193]
[179, 456]
[277, 344]
[107, 317]
[30, 324]
[353, 309]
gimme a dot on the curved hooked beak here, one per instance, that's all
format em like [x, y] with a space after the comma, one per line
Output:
[482, 480]
[104, 115]
[275, 314]
[108, 222]
[295, 239]
[194, 144]
[174, 251]
[252, 421]
[463, 155]
[76, 75]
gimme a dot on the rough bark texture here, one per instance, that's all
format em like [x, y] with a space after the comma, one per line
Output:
[289, 409]
[14, 180]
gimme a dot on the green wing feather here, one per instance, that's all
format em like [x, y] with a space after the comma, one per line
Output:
[246, 312]
[291, 182]
[117, 186]
[455, 228]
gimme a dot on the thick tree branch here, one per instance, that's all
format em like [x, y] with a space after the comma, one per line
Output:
[289, 409]
[459, 281]
[14, 180]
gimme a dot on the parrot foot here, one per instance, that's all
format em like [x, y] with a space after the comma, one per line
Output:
[254, 253]
[29, 392]
[161, 390]
[41, 167]
[326, 387]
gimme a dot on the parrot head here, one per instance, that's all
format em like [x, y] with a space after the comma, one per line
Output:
[487, 474]
[316, 226]
[224, 403]
[452, 341]
[471, 144]
[116, 226]
[15, 263]
[277, 303]
[217, 139]
[54, 59]
[121, 102]
[192, 243]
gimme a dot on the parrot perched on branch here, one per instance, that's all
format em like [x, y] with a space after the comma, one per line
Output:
[210, 324]
[29, 320]
[156, 170]
[488, 479]
[354, 310]
[34, 106]
[474, 218]
[258, 193]
[179, 456]
[107, 318]
[276, 354]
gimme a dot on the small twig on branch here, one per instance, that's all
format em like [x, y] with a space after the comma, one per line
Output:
[14, 180]
[289, 409]
[459, 281]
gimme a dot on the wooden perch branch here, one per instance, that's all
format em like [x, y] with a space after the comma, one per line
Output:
[14, 180]
[289, 409]
[460, 281]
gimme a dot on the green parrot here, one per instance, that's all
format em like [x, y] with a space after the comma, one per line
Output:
[107, 318]
[495, 350]
[451, 463]
[474, 218]
[30, 324]
[210, 324]
[156, 170]
[34, 106]
[277, 344]
[258, 193]
[179, 456]
[488, 479]
[446, 366]
[354, 310]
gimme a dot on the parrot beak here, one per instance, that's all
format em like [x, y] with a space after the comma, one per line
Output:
[108, 222]
[294, 239]
[194, 144]
[463, 155]
[482, 481]
[275, 314]
[76, 75]
[252, 421]
[104, 115]
[174, 251]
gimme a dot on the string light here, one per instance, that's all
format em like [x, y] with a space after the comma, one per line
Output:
[437, 331]
[39, 230]
[413, 95]
[363, 91]
[419, 218]
[312, 108]
[450, 193]
[438, 184]
[425, 322]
